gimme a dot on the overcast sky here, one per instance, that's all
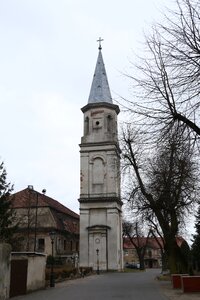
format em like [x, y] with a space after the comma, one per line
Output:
[48, 53]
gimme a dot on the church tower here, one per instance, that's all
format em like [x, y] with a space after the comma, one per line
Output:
[100, 203]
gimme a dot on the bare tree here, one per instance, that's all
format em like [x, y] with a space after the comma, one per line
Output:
[156, 232]
[166, 185]
[166, 80]
[135, 234]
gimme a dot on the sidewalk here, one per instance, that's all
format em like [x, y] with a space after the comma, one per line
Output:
[176, 294]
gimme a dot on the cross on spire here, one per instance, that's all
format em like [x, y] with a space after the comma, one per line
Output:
[100, 40]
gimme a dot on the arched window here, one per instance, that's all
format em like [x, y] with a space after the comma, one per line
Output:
[98, 171]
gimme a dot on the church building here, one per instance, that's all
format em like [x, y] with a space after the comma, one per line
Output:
[100, 202]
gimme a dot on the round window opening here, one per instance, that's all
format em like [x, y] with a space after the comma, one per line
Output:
[97, 123]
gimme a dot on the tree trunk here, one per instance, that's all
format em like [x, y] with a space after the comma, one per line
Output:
[173, 267]
[177, 263]
[141, 260]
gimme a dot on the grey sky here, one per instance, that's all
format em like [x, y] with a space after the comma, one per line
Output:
[48, 54]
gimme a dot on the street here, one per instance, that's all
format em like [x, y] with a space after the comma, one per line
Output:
[136, 285]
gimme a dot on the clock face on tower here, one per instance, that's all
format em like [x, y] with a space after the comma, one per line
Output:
[97, 241]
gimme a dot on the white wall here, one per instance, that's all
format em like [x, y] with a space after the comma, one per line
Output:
[36, 273]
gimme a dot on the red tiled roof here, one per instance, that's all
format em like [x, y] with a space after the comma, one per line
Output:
[25, 198]
[71, 226]
[152, 242]
[141, 241]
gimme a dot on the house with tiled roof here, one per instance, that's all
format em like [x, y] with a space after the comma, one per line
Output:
[37, 216]
[153, 253]
[154, 249]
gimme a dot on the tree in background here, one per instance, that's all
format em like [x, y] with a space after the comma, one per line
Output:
[163, 186]
[7, 217]
[166, 79]
[196, 242]
[135, 233]
[164, 128]
[156, 233]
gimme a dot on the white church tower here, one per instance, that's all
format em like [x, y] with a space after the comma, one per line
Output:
[100, 203]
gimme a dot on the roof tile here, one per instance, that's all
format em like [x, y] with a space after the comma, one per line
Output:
[25, 198]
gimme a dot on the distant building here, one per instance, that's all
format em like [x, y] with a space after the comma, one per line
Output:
[153, 250]
[38, 215]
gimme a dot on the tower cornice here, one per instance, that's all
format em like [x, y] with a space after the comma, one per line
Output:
[100, 200]
[99, 145]
[99, 105]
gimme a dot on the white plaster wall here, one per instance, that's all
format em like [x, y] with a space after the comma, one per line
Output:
[113, 246]
[98, 216]
[95, 214]
[44, 218]
[48, 245]
[101, 246]
[83, 245]
[100, 180]
[110, 170]
[5, 250]
[100, 132]
[84, 187]
[36, 273]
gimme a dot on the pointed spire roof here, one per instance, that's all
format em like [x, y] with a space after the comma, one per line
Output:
[100, 91]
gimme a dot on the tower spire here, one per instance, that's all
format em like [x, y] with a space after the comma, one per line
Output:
[100, 91]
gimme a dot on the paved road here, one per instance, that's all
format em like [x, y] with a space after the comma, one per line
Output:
[126, 286]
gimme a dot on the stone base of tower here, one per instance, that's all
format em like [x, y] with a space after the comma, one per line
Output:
[101, 236]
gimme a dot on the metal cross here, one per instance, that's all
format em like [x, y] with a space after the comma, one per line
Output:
[100, 40]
